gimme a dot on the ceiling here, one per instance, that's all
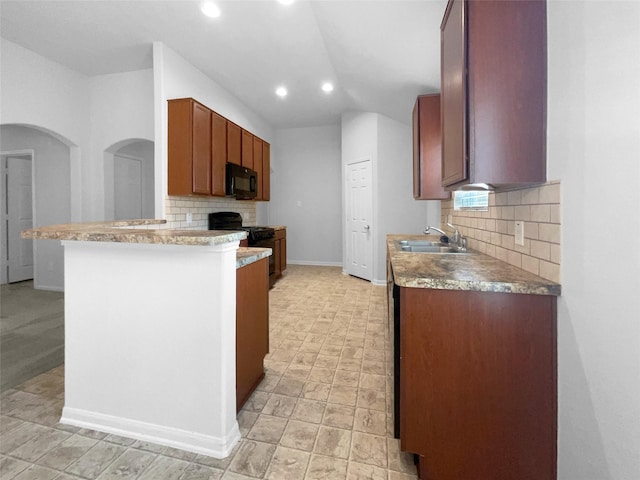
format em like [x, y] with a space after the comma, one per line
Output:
[380, 54]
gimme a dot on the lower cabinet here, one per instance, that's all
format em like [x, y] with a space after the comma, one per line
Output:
[252, 327]
[280, 251]
[478, 384]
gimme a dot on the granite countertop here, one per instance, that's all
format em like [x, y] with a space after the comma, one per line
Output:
[248, 255]
[472, 271]
[278, 227]
[132, 231]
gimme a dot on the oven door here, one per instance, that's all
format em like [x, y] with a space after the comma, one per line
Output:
[268, 243]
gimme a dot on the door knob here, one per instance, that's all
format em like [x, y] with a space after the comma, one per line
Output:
[366, 227]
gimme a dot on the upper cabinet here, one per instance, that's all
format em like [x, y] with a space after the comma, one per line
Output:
[427, 160]
[234, 143]
[218, 153]
[266, 172]
[189, 148]
[202, 142]
[494, 76]
[247, 149]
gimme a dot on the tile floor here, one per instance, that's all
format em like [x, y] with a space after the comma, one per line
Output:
[322, 411]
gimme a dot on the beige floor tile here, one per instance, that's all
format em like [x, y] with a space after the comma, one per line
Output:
[353, 364]
[346, 377]
[39, 445]
[331, 350]
[316, 391]
[343, 395]
[289, 386]
[370, 381]
[67, 452]
[321, 374]
[269, 382]
[256, 401]
[96, 460]
[300, 372]
[369, 449]
[326, 361]
[246, 419]
[195, 471]
[309, 410]
[300, 435]
[166, 468]
[360, 471]
[36, 472]
[333, 442]
[129, 465]
[401, 476]
[10, 467]
[372, 399]
[370, 421]
[267, 429]
[279, 405]
[252, 458]
[399, 461]
[339, 416]
[288, 464]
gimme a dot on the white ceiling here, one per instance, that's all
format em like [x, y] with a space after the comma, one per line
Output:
[380, 54]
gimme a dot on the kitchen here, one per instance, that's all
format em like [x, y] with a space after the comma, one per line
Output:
[589, 130]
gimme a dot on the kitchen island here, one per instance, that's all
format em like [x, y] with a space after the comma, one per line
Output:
[474, 364]
[150, 328]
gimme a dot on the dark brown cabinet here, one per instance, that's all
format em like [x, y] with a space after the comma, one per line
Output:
[218, 153]
[202, 142]
[478, 390]
[252, 327]
[266, 172]
[493, 56]
[280, 251]
[189, 149]
[247, 150]
[234, 143]
[257, 164]
[427, 158]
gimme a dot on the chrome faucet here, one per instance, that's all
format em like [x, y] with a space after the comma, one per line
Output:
[429, 227]
[457, 240]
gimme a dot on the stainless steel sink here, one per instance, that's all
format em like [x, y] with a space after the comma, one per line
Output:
[426, 246]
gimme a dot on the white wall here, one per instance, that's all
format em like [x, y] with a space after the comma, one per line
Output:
[388, 144]
[174, 77]
[52, 195]
[306, 194]
[121, 108]
[594, 148]
[86, 114]
[36, 91]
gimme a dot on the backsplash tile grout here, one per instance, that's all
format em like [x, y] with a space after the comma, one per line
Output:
[176, 209]
[493, 231]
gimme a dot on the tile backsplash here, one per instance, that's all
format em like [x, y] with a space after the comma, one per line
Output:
[176, 209]
[493, 231]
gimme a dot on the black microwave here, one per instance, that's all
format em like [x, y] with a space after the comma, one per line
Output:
[241, 182]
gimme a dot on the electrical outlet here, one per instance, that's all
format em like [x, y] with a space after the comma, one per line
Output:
[519, 232]
[189, 218]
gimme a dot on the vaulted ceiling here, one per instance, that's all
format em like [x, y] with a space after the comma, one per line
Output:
[380, 54]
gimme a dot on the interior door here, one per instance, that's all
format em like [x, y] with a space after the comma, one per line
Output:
[19, 217]
[127, 184]
[359, 208]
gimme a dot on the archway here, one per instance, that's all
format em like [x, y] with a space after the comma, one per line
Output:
[129, 179]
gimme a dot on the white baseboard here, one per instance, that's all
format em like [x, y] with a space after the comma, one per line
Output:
[217, 447]
[314, 264]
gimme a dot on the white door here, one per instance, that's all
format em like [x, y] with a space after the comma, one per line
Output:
[359, 199]
[127, 183]
[19, 217]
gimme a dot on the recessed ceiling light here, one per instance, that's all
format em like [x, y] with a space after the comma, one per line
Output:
[286, 2]
[281, 92]
[210, 9]
[327, 87]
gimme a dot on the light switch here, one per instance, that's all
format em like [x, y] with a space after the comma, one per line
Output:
[519, 233]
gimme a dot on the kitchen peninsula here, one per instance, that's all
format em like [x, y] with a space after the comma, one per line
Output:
[150, 328]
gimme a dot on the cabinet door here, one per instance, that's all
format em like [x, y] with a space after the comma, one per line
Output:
[218, 154]
[234, 143]
[427, 152]
[247, 149]
[201, 149]
[257, 164]
[278, 255]
[455, 159]
[252, 327]
[266, 171]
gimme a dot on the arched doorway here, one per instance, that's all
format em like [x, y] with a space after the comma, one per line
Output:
[129, 179]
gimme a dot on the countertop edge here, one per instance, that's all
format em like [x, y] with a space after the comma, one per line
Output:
[248, 255]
